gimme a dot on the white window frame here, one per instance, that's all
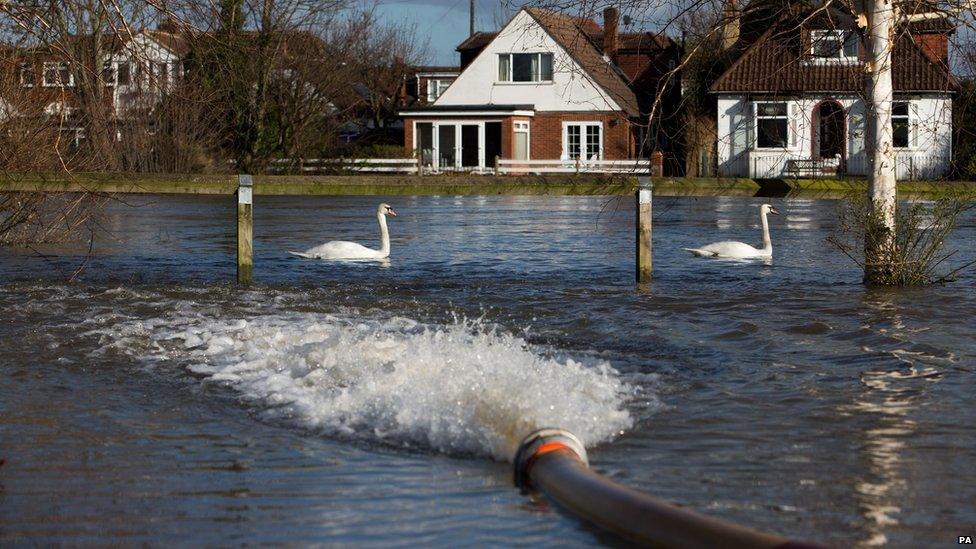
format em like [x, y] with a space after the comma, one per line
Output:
[108, 72]
[26, 68]
[908, 122]
[820, 35]
[128, 70]
[436, 138]
[523, 126]
[785, 116]
[507, 78]
[584, 141]
[440, 84]
[58, 66]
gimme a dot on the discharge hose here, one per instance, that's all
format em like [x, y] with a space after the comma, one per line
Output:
[554, 461]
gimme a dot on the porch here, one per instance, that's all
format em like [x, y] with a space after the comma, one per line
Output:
[909, 166]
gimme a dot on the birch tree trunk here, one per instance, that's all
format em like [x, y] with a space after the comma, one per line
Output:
[880, 234]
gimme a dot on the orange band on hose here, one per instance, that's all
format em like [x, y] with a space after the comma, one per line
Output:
[549, 447]
[546, 448]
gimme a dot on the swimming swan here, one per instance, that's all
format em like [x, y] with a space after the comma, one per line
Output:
[340, 249]
[740, 250]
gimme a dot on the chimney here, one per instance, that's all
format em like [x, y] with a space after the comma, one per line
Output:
[730, 24]
[168, 24]
[611, 34]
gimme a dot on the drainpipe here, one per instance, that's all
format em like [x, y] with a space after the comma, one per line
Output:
[554, 461]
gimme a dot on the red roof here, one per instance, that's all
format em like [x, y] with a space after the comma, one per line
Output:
[778, 63]
[570, 34]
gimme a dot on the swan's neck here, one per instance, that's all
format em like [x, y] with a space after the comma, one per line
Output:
[767, 243]
[384, 235]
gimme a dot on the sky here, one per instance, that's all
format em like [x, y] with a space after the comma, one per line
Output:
[443, 24]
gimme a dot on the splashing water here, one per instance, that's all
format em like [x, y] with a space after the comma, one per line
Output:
[456, 389]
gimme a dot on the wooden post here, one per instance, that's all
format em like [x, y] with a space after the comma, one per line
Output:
[245, 222]
[644, 247]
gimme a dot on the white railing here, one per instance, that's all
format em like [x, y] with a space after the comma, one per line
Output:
[503, 167]
[908, 166]
[412, 166]
[366, 165]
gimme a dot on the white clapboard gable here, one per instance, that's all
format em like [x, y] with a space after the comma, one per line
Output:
[571, 89]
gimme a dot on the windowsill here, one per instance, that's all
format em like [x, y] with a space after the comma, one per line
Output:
[771, 149]
[832, 61]
[540, 83]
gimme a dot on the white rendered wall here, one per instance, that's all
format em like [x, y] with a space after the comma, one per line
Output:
[928, 153]
[571, 88]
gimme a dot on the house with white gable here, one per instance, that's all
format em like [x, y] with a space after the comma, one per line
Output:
[547, 86]
[792, 102]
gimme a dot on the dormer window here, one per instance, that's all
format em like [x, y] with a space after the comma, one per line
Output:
[525, 67]
[435, 88]
[833, 45]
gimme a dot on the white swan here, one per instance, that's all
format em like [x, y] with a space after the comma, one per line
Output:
[740, 250]
[340, 249]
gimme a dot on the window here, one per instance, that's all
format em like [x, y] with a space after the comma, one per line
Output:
[161, 74]
[425, 142]
[900, 124]
[525, 67]
[447, 146]
[123, 74]
[833, 44]
[435, 88]
[772, 126]
[521, 142]
[27, 75]
[57, 74]
[108, 74]
[583, 140]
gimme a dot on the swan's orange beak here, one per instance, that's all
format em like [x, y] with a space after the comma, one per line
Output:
[773, 211]
[391, 212]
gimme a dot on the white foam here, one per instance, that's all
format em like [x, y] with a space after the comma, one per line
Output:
[458, 389]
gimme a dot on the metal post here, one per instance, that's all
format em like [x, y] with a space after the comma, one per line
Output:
[644, 244]
[245, 232]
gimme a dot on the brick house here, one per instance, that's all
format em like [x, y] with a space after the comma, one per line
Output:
[45, 82]
[792, 102]
[547, 86]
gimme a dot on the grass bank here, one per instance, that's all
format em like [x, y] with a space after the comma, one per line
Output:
[843, 187]
[367, 184]
[364, 184]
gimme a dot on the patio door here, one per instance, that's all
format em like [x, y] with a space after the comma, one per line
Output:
[470, 146]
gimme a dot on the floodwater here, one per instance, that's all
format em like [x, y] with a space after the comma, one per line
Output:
[152, 401]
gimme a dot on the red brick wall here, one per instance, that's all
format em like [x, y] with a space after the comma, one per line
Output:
[547, 134]
[408, 134]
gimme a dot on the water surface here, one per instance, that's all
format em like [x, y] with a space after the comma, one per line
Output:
[152, 401]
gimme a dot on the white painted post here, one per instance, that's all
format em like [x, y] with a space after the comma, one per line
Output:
[644, 244]
[245, 221]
